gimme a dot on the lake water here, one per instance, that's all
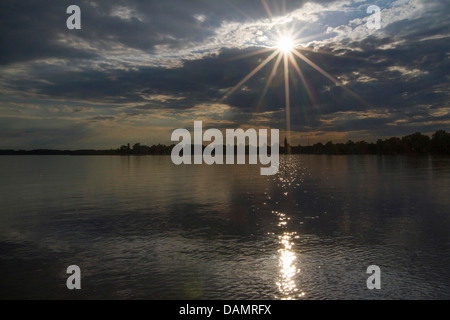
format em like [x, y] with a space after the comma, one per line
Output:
[143, 228]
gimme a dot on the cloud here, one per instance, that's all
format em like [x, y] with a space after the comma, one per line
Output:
[165, 64]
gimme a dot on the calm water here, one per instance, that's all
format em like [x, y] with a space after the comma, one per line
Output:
[142, 228]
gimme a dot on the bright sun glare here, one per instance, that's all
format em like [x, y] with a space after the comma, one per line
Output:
[285, 44]
[285, 53]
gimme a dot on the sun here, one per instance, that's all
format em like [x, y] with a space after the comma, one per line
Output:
[285, 49]
[285, 44]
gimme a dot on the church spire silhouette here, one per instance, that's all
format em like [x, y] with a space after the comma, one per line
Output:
[287, 146]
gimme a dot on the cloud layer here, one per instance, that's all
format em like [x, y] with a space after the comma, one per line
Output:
[138, 70]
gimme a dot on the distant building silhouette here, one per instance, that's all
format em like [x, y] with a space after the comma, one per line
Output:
[287, 147]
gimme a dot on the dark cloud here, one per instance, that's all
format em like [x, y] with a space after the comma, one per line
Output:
[206, 80]
[400, 76]
[100, 118]
[33, 29]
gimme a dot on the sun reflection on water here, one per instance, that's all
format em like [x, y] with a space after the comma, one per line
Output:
[287, 281]
[288, 270]
[287, 262]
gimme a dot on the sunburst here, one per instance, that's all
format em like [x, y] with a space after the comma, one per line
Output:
[285, 44]
[287, 47]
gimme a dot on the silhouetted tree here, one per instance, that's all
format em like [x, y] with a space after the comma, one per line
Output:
[440, 142]
[416, 143]
[330, 148]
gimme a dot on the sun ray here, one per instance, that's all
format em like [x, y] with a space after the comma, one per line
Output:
[266, 6]
[330, 77]
[287, 47]
[249, 76]
[309, 90]
[287, 96]
[315, 66]
[276, 6]
[269, 81]
[302, 78]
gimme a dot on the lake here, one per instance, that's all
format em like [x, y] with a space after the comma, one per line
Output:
[143, 228]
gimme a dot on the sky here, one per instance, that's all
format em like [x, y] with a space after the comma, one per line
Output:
[138, 70]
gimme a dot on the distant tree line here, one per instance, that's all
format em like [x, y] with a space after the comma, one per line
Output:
[416, 143]
[139, 149]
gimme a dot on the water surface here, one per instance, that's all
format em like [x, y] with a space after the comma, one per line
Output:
[143, 228]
